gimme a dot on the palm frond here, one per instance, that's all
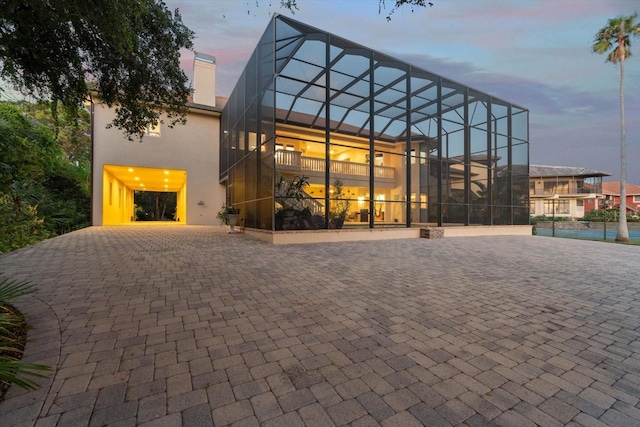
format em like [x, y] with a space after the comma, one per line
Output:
[614, 39]
[14, 371]
[10, 289]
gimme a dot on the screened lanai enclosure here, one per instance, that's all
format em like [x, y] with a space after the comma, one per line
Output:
[321, 132]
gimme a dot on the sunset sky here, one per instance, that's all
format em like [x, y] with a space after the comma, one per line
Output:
[536, 54]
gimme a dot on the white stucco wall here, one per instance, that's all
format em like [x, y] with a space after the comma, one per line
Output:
[193, 147]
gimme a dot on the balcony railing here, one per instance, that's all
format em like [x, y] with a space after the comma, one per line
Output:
[565, 190]
[295, 161]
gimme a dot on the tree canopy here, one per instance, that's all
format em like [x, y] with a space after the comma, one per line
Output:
[614, 40]
[127, 52]
[292, 5]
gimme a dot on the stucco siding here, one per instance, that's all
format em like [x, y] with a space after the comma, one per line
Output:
[193, 148]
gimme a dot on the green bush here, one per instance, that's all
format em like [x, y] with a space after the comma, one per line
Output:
[44, 181]
[611, 215]
[542, 218]
[19, 224]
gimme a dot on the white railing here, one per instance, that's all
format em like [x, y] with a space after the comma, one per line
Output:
[288, 160]
[295, 161]
[312, 164]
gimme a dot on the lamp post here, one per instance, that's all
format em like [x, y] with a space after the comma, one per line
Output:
[605, 205]
[553, 215]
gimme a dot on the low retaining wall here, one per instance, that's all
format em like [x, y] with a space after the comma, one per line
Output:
[352, 235]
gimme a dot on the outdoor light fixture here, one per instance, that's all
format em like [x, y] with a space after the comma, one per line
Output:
[200, 203]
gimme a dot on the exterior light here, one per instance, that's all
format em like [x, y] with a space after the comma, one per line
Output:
[130, 169]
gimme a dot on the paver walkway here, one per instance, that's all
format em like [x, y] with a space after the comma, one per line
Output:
[171, 326]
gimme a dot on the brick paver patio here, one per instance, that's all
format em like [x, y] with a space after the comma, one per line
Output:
[179, 325]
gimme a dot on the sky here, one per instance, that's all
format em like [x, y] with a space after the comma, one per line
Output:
[536, 54]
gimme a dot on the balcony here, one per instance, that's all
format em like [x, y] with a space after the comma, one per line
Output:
[294, 161]
[566, 191]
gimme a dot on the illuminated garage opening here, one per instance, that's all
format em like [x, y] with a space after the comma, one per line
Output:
[121, 183]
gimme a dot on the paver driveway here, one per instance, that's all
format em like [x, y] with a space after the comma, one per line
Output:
[179, 325]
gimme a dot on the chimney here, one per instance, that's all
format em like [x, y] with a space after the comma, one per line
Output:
[204, 79]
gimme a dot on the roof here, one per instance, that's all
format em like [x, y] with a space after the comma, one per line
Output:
[322, 79]
[206, 58]
[552, 171]
[203, 107]
[613, 187]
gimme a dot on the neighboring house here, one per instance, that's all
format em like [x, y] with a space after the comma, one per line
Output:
[611, 191]
[410, 147]
[183, 159]
[564, 191]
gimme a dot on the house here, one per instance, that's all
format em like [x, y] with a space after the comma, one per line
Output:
[611, 191]
[181, 160]
[564, 191]
[381, 143]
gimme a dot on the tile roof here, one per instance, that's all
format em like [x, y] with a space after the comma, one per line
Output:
[613, 187]
[549, 171]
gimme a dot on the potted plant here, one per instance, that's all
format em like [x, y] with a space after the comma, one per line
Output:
[228, 215]
[341, 205]
[290, 196]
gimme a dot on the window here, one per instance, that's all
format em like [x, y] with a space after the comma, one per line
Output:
[580, 203]
[153, 130]
[110, 193]
[423, 200]
[563, 187]
[413, 156]
[560, 187]
[532, 207]
[549, 187]
[561, 207]
[636, 198]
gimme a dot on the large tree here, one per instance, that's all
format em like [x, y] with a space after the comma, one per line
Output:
[126, 52]
[614, 41]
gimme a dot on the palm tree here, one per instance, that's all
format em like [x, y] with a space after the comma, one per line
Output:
[614, 40]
